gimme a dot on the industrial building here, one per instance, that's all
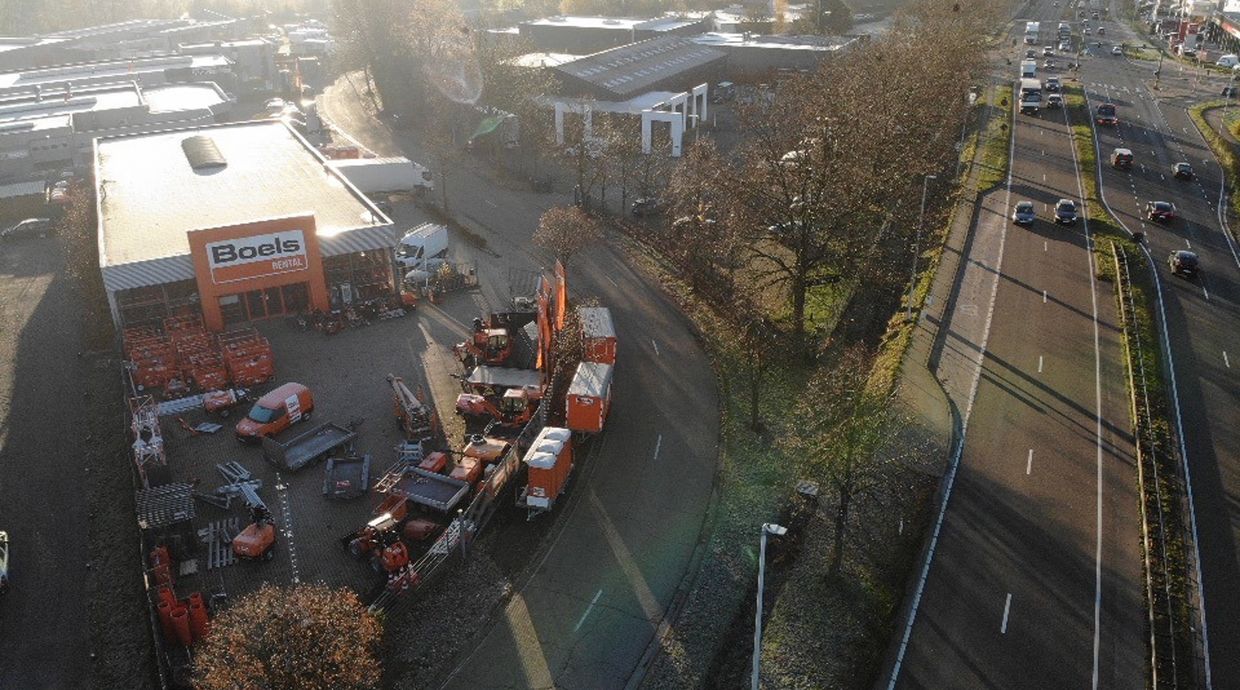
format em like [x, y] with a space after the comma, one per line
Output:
[666, 63]
[145, 71]
[585, 35]
[50, 129]
[253, 62]
[240, 221]
[753, 56]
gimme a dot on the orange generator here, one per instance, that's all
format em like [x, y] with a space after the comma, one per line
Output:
[589, 397]
[598, 335]
[549, 460]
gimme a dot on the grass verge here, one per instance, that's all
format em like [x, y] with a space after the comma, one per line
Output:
[1223, 149]
[1166, 559]
[996, 139]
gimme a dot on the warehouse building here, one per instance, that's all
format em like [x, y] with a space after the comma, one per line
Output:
[43, 130]
[666, 63]
[584, 35]
[240, 221]
[754, 56]
[145, 71]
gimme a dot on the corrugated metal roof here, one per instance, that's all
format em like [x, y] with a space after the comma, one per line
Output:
[634, 68]
[16, 189]
[592, 379]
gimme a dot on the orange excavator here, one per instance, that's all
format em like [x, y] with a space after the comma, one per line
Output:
[515, 407]
[380, 541]
[487, 345]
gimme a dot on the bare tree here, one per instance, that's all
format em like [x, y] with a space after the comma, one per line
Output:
[839, 437]
[306, 636]
[566, 230]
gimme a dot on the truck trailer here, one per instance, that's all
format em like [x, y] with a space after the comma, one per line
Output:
[384, 175]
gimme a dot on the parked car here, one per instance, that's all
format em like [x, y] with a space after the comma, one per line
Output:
[275, 412]
[31, 227]
[647, 206]
[1163, 211]
[4, 562]
[1065, 211]
[1182, 171]
[1024, 214]
[1054, 100]
[1183, 263]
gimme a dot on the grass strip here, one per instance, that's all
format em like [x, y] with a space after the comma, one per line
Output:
[1223, 149]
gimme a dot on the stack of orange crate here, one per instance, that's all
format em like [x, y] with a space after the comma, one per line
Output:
[194, 347]
[153, 357]
[248, 357]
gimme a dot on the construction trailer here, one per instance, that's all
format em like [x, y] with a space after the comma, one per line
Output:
[598, 335]
[589, 398]
[548, 461]
[414, 417]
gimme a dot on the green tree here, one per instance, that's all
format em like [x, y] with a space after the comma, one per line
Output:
[306, 637]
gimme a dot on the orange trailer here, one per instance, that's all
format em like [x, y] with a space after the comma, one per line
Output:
[549, 461]
[589, 397]
[598, 335]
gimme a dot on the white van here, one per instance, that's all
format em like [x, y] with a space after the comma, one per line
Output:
[1229, 60]
[424, 247]
[1028, 69]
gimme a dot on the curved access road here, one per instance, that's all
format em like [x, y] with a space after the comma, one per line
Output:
[636, 509]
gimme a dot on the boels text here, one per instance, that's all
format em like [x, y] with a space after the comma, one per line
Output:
[256, 256]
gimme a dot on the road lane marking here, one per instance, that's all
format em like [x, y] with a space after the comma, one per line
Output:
[1225, 360]
[1205, 292]
[587, 611]
[657, 445]
[1187, 243]
[1039, 364]
[1044, 177]
[490, 203]
[1044, 245]
[656, 346]
[1029, 463]
[1044, 297]
[611, 280]
[1007, 608]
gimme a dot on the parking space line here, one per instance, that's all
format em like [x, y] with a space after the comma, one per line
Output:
[1029, 463]
[1007, 608]
[587, 611]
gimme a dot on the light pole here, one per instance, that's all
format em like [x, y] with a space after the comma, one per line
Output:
[912, 282]
[779, 531]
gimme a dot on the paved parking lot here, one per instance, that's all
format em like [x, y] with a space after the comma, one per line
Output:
[347, 374]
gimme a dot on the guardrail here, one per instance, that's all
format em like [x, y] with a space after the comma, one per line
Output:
[1170, 636]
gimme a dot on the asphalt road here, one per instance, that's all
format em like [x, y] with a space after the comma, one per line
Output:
[44, 625]
[1202, 318]
[636, 508]
[1035, 577]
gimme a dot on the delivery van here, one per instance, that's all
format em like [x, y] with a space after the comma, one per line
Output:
[424, 247]
[275, 412]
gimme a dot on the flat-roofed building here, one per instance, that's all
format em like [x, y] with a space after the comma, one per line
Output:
[242, 221]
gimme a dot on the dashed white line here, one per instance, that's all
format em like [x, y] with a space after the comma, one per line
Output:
[290, 544]
[1044, 297]
[1205, 292]
[1187, 243]
[1044, 245]
[587, 611]
[1039, 364]
[611, 280]
[657, 445]
[1225, 360]
[656, 346]
[1029, 463]
[1007, 608]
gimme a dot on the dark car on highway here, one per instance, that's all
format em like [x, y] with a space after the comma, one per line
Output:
[1160, 210]
[1024, 213]
[1182, 171]
[1065, 211]
[31, 227]
[1183, 263]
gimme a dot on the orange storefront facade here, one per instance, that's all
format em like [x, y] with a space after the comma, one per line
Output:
[258, 270]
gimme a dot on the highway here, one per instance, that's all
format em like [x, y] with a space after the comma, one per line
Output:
[1201, 315]
[1035, 577]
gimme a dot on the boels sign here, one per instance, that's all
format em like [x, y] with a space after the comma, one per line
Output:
[256, 256]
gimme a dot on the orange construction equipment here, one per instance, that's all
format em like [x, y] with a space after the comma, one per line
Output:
[256, 540]
[516, 407]
[414, 417]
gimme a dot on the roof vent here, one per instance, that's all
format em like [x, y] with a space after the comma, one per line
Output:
[202, 153]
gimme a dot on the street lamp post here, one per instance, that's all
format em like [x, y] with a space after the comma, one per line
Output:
[779, 531]
[925, 186]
